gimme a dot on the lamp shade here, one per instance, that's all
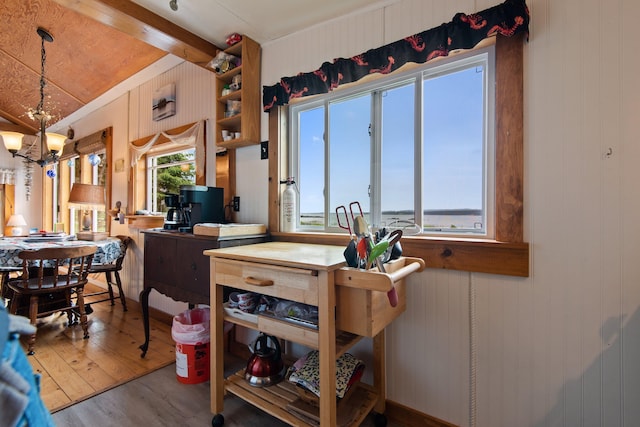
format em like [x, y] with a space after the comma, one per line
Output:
[55, 141]
[87, 196]
[12, 140]
[17, 222]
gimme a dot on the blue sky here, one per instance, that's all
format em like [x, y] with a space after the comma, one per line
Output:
[452, 114]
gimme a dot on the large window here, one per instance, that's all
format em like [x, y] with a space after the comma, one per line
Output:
[415, 150]
[166, 172]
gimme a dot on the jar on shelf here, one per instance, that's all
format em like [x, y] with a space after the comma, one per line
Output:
[236, 82]
[233, 107]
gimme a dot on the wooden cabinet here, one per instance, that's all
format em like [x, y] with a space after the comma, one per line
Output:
[246, 100]
[175, 266]
[312, 274]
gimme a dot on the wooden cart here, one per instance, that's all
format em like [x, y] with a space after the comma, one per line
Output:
[314, 275]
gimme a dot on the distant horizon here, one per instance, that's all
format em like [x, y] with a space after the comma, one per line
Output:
[461, 211]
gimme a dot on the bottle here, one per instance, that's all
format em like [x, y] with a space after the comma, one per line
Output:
[289, 202]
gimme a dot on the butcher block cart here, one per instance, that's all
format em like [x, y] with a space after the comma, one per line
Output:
[351, 304]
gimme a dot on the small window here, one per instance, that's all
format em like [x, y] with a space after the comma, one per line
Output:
[89, 169]
[166, 172]
[414, 150]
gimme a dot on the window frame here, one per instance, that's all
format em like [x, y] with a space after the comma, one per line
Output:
[55, 192]
[148, 158]
[417, 76]
[505, 254]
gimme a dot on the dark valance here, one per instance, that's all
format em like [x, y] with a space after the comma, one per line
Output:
[463, 32]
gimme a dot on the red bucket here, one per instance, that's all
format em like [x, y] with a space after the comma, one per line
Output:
[190, 331]
[192, 363]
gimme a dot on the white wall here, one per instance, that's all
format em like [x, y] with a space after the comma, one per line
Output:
[561, 347]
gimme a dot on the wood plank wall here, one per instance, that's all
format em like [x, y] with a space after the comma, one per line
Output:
[560, 346]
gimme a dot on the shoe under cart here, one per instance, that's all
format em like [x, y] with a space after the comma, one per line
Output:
[314, 275]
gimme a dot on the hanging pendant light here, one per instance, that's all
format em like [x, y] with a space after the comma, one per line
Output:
[52, 141]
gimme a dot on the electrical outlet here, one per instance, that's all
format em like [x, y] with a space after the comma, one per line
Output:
[236, 204]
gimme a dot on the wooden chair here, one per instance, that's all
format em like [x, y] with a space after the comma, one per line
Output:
[48, 276]
[114, 268]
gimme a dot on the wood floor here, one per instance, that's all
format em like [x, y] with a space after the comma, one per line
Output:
[74, 368]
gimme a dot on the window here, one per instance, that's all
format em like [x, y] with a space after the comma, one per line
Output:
[415, 150]
[166, 172]
[89, 169]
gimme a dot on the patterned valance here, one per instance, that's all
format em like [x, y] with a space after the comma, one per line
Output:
[463, 32]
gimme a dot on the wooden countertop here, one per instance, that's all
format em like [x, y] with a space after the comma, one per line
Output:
[298, 255]
[145, 221]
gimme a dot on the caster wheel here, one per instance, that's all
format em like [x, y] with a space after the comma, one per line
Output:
[217, 421]
[379, 420]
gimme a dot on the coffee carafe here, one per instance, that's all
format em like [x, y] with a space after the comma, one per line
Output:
[177, 215]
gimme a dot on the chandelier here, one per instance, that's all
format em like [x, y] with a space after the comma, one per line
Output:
[53, 141]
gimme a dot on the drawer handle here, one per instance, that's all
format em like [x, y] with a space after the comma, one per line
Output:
[257, 282]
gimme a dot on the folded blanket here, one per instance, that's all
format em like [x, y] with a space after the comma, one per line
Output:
[306, 373]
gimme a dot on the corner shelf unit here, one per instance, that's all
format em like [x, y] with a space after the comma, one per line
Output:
[247, 121]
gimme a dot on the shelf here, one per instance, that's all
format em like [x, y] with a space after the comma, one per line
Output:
[249, 95]
[236, 94]
[283, 401]
[231, 122]
[226, 77]
[292, 332]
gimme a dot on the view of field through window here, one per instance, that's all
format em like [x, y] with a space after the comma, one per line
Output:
[362, 147]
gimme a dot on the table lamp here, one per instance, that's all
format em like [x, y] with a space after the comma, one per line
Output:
[17, 222]
[87, 197]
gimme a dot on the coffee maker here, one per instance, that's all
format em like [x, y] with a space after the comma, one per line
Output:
[201, 204]
[177, 215]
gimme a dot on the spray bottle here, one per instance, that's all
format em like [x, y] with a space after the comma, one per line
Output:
[289, 206]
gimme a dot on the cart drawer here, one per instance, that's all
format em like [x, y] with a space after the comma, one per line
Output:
[365, 311]
[295, 284]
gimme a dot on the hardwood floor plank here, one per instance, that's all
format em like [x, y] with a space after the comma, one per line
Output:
[73, 369]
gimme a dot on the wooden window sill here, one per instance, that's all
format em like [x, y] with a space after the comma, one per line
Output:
[474, 255]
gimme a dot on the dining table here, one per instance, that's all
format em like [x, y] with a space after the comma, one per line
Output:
[107, 250]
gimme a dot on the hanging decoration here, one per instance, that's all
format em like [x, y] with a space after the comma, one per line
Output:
[94, 159]
[28, 169]
[463, 32]
[51, 173]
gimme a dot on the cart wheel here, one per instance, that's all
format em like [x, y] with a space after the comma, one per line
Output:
[379, 420]
[217, 421]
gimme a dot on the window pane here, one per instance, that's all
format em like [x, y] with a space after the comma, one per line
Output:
[349, 154]
[311, 167]
[168, 172]
[453, 180]
[397, 174]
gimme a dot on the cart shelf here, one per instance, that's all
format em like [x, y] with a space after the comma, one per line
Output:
[283, 401]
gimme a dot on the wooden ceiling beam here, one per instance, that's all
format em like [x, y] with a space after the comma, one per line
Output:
[17, 124]
[15, 128]
[138, 22]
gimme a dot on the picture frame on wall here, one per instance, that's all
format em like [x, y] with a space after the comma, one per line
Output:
[164, 102]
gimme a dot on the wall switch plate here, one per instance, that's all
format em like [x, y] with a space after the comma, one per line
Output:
[264, 150]
[236, 204]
